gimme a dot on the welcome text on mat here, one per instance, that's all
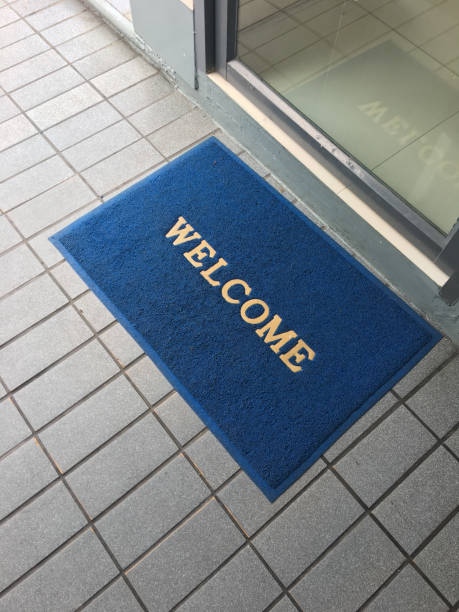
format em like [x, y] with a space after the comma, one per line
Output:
[183, 232]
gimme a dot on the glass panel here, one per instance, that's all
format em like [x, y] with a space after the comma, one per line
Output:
[380, 77]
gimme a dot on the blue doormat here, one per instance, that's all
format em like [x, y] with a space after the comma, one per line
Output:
[277, 338]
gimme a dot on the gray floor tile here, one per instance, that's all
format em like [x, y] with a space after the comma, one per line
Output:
[31, 69]
[32, 182]
[439, 560]
[82, 125]
[105, 59]
[46, 88]
[122, 166]
[330, 21]
[19, 52]
[372, 5]
[182, 421]
[394, 14]
[385, 454]
[141, 95]
[243, 584]
[307, 527]
[119, 466]
[437, 402]
[65, 30]
[421, 501]
[453, 442]
[211, 459]
[361, 425]
[426, 366]
[7, 16]
[24, 155]
[352, 571]
[26, 7]
[2, 390]
[55, 13]
[149, 380]
[250, 507]
[285, 605]
[151, 510]
[160, 113]
[47, 208]
[133, 181]
[101, 145]
[426, 26]
[192, 552]
[121, 344]
[94, 311]
[22, 474]
[15, 130]
[65, 581]
[116, 598]
[253, 12]
[8, 235]
[182, 132]
[41, 346]
[8, 108]
[17, 267]
[407, 592]
[37, 530]
[87, 43]
[13, 428]
[14, 32]
[91, 423]
[69, 280]
[123, 76]
[66, 383]
[64, 106]
[262, 32]
[28, 305]
[43, 247]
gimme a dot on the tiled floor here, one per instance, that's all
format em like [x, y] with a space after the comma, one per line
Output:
[113, 496]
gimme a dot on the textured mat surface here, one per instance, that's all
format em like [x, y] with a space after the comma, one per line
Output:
[276, 337]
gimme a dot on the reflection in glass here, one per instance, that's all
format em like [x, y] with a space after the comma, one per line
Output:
[381, 78]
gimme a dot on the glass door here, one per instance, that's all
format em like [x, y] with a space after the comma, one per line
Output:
[380, 78]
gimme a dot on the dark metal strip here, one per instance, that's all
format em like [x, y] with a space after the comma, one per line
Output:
[449, 256]
[204, 25]
[450, 290]
[225, 33]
